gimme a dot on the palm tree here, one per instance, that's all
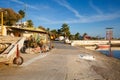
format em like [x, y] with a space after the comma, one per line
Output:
[65, 30]
[22, 13]
[77, 36]
[29, 23]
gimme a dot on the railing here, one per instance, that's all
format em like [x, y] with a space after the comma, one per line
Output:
[10, 53]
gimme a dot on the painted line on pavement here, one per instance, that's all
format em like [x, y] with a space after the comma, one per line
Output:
[34, 59]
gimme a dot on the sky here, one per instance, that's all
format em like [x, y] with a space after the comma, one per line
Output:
[83, 16]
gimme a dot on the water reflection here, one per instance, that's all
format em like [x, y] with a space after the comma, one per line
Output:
[115, 53]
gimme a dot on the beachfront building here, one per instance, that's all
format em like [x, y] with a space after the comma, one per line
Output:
[3, 31]
[27, 32]
[86, 37]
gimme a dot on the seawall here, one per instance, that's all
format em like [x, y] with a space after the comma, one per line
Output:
[91, 44]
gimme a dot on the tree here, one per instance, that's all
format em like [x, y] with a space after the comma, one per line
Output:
[10, 17]
[29, 23]
[65, 30]
[41, 27]
[48, 29]
[54, 33]
[72, 37]
[85, 34]
[77, 36]
[86, 37]
[22, 13]
[59, 32]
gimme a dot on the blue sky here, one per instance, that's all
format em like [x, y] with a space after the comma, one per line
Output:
[83, 16]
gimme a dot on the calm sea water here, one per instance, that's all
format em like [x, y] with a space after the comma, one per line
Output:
[115, 53]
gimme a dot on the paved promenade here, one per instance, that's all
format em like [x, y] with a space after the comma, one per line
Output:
[64, 62]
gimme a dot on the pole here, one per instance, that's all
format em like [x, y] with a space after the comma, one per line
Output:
[2, 30]
[110, 49]
[17, 52]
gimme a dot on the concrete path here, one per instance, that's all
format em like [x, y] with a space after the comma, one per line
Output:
[62, 63]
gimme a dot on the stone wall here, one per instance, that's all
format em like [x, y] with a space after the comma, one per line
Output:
[92, 42]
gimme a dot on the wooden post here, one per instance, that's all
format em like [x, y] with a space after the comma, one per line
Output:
[2, 23]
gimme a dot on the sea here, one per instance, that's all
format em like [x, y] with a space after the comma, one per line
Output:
[115, 53]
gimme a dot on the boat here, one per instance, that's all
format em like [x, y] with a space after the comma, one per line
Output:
[102, 46]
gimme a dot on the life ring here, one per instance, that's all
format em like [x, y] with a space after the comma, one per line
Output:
[18, 60]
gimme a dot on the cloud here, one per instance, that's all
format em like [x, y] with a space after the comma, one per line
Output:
[66, 5]
[88, 19]
[44, 19]
[95, 7]
[80, 18]
[85, 19]
[17, 1]
[105, 17]
[27, 5]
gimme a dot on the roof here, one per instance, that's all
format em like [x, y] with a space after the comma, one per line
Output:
[28, 29]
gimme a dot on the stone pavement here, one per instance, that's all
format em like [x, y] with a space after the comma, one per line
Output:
[31, 58]
[63, 63]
